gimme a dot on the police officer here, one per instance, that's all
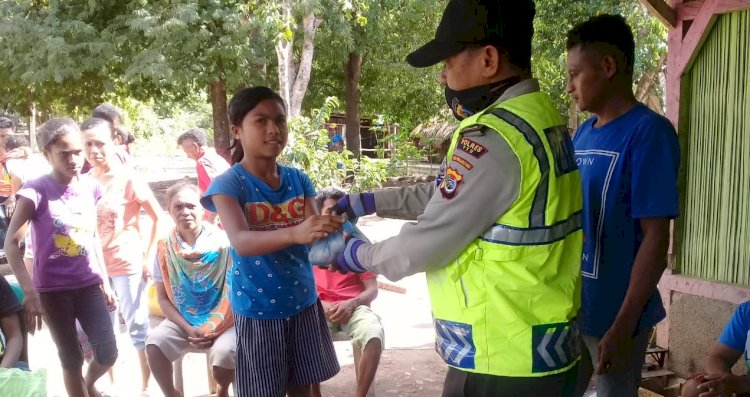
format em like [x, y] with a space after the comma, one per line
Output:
[499, 234]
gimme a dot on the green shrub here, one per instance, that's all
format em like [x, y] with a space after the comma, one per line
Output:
[308, 151]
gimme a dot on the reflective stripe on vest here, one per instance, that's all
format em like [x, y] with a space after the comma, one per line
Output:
[502, 234]
[539, 206]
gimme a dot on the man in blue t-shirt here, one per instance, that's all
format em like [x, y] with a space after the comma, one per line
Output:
[733, 345]
[628, 157]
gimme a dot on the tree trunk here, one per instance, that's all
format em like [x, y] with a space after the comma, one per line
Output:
[299, 87]
[285, 58]
[222, 135]
[352, 72]
[32, 126]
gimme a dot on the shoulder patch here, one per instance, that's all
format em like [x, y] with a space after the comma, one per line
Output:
[462, 161]
[469, 146]
[452, 181]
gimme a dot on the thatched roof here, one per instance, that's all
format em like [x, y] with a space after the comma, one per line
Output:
[436, 130]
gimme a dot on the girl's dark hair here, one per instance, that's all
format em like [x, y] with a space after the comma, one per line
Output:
[54, 129]
[240, 105]
[126, 137]
[178, 187]
[97, 122]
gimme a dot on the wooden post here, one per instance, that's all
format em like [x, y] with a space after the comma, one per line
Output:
[695, 36]
[32, 127]
[660, 9]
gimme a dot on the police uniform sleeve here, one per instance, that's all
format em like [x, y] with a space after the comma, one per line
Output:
[404, 203]
[482, 180]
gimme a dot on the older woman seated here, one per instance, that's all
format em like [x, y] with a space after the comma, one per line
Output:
[191, 285]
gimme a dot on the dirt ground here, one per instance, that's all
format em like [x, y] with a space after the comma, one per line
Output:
[409, 365]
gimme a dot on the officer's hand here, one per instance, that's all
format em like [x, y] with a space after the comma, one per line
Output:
[355, 205]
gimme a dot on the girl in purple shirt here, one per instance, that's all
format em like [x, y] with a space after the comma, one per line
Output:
[68, 267]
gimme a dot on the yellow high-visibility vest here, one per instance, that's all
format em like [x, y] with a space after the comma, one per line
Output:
[507, 305]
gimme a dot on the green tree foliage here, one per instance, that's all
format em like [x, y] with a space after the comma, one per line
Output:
[68, 56]
[384, 32]
[329, 168]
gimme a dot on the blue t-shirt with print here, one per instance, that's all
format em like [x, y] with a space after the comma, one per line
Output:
[279, 284]
[628, 171]
[736, 334]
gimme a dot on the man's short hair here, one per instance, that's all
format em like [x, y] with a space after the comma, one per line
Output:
[7, 122]
[107, 112]
[197, 135]
[607, 33]
[327, 193]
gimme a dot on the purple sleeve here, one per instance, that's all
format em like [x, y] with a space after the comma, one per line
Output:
[30, 190]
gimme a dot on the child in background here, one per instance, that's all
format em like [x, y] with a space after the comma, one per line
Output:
[125, 194]
[69, 274]
[268, 212]
[11, 334]
[733, 344]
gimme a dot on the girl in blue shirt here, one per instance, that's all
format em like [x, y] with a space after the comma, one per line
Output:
[267, 210]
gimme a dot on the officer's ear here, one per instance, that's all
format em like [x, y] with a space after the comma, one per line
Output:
[491, 60]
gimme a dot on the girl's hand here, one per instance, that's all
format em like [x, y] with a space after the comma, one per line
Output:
[109, 297]
[33, 308]
[316, 227]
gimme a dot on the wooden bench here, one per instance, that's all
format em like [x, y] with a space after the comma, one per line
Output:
[658, 354]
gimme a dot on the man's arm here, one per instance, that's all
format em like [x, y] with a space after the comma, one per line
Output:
[477, 189]
[720, 381]
[721, 358]
[341, 312]
[650, 262]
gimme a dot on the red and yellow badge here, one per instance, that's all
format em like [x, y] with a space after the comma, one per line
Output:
[451, 183]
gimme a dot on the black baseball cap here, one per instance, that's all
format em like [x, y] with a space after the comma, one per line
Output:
[477, 22]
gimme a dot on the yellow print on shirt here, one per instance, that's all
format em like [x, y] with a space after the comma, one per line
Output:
[69, 241]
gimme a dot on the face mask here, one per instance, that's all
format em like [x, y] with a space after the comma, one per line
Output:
[466, 103]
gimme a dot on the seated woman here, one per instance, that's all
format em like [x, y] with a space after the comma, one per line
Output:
[718, 379]
[191, 285]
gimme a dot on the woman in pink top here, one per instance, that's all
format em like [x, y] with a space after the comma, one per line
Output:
[118, 212]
